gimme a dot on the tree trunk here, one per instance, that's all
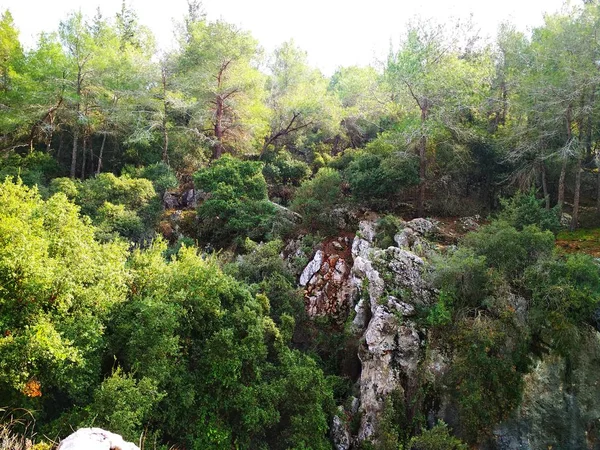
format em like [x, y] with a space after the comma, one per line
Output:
[218, 147]
[165, 154]
[60, 146]
[84, 151]
[563, 168]
[74, 152]
[422, 166]
[577, 192]
[561, 184]
[99, 168]
[598, 192]
[545, 186]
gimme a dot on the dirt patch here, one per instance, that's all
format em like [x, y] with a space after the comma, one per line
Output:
[580, 241]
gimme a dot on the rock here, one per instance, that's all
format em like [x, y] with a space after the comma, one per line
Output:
[422, 226]
[339, 247]
[565, 220]
[313, 267]
[95, 439]
[170, 200]
[367, 230]
[188, 199]
[389, 355]
[469, 223]
[340, 434]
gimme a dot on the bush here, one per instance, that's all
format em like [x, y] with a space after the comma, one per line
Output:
[437, 438]
[316, 198]
[508, 249]
[525, 209]
[238, 206]
[114, 220]
[284, 169]
[463, 278]
[35, 168]
[387, 227]
[67, 186]
[565, 294]
[132, 193]
[123, 404]
[161, 176]
[486, 374]
[376, 177]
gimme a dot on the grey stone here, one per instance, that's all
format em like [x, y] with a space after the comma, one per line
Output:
[312, 268]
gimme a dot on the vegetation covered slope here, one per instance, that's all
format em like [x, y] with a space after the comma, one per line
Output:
[246, 163]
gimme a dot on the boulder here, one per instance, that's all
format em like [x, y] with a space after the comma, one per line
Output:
[170, 200]
[312, 268]
[95, 439]
[340, 434]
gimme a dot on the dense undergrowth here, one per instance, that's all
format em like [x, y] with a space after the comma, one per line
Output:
[181, 325]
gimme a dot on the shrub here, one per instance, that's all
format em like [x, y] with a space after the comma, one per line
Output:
[565, 294]
[437, 438]
[132, 193]
[284, 169]
[387, 227]
[463, 278]
[316, 198]
[376, 177]
[508, 249]
[35, 168]
[114, 220]
[161, 176]
[123, 404]
[525, 209]
[65, 185]
[238, 206]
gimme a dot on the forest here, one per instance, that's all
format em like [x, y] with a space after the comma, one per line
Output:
[218, 247]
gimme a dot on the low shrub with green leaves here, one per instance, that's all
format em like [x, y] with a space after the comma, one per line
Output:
[119, 206]
[33, 169]
[238, 206]
[436, 438]
[162, 176]
[525, 209]
[373, 177]
[282, 168]
[316, 198]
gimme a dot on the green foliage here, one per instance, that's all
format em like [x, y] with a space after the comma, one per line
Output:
[282, 168]
[161, 175]
[238, 206]
[58, 286]
[437, 438]
[375, 177]
[316, 198]
[35, 168]
[132, 193]
[508, 249]
[115, 220]
[565, 293]
[66, 186]
[463, 279]
[486, 374]
[387, 227]
[123, 404]
[265, 271]
[525, 209]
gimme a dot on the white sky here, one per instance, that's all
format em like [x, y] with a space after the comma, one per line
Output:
[333, 32]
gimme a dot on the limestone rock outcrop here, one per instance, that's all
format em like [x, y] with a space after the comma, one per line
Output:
[95, 439]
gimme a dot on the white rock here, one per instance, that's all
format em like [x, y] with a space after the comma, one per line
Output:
[313, 267]
[95, 439]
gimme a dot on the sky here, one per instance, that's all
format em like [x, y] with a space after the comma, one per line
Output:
[334, 32]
